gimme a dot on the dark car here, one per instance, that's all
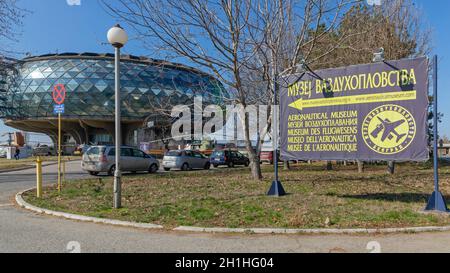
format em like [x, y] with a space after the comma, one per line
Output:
[228, 158]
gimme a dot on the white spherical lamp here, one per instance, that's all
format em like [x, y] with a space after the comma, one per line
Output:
[117, 36]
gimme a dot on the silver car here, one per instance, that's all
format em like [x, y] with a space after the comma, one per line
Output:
[44, 150]
[185, 160]
[98, 159]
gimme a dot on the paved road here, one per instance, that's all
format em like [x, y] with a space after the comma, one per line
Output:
[23, 231]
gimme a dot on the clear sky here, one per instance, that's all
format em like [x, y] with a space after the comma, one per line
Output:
[55, 26]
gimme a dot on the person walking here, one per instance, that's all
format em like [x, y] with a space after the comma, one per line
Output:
[17, 154]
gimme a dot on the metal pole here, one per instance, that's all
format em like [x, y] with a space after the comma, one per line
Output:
[437, 201]
[118, 142]
[276, 189]
[435, 130]
[38, 177]
[275, 125]
[63, 171]
[59, 152]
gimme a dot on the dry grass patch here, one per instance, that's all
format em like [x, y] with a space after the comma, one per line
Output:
[341, 198]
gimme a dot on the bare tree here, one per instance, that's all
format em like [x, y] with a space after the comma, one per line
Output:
[10, 19]
[446, 139]
[249, 45]
[397, 26]
[232, 37]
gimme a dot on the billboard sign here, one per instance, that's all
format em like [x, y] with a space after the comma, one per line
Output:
[367, 112]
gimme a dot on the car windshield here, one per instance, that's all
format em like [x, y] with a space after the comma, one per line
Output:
[218, 153]
[173, 153]
[94, 151]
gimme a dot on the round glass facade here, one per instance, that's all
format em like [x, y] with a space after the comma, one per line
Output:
[146, 86]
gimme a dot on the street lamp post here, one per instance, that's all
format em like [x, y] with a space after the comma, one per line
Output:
[117, 37]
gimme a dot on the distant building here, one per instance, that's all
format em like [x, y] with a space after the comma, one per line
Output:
[444, 150]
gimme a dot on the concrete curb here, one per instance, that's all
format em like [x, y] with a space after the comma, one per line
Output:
[313, 231]
[22, 203]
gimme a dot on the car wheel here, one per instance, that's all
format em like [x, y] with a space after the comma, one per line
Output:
[247, 163]
[185, 167]
[231, 164]
[207, 166]
[93, 173]
[112, 170]
[167, 169]
[216, 166]
[153, 168]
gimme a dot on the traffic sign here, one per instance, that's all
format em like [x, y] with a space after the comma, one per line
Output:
[59, 94]
[58, 109]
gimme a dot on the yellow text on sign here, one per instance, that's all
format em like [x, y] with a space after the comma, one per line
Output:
[357, 99]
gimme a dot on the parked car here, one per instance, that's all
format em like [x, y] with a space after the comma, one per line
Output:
[3, 152]
[81, 149]
[228, 158]
[267, 156]
[98, 159]
[185, 160]
[44, 150]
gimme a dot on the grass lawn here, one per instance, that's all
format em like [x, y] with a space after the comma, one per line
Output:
[341, 198]
[6, 164]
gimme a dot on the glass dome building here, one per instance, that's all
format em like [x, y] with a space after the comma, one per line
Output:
[148, 88]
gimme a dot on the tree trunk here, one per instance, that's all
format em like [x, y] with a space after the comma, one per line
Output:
[391, 167]
[329, 166]
[253, 157]
[255, 165]
[360, 166]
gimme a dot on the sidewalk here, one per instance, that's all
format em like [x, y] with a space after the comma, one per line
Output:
[32, 165]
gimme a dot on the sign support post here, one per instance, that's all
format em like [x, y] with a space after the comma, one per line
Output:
[59, 152]
[437, 201]
[276, 189]
[38, 177]
[59, 95]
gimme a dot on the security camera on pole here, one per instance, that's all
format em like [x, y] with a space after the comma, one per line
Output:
[117, 37]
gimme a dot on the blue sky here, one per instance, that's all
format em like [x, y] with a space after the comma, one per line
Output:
[54, 26]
